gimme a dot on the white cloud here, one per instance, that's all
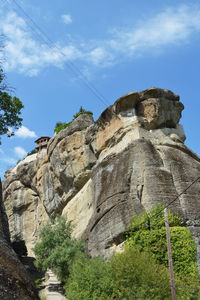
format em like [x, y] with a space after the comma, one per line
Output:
[66, 18]
[98, 55]
[8, 160]
[173, 26]
[20, 152]
[30, 56]
[24, 132]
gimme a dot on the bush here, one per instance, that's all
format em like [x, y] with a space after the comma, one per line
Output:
[57, 249]
[129, 275]
[82, 111]
[151, 236]
[137, 275]
[141, 271]
[90, 279]
[61, 125]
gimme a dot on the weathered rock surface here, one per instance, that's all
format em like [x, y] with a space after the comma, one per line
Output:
[14, 280]
[101, 173]
[43, 184]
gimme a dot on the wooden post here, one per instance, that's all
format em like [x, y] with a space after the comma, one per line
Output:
[172, 281]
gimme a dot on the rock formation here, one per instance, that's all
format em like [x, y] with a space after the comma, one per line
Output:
[101, 173]
[14, 281]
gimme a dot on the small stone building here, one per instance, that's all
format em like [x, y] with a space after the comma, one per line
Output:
[41, 143]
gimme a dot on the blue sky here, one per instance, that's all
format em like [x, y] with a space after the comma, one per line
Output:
[114, 46]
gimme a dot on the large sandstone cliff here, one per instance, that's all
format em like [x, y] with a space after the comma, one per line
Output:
[101, 173]
[14, 281]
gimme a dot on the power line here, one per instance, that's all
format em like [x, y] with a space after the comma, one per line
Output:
[42, 35]
[166, 206]
[193, 182]
[77, 71]
[46, 39]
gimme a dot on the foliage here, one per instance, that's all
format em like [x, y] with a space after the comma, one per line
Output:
[37, 283]
[90, 279]
[151, 236]
[61, 125]
[19, 245]
[137, 275]
[129, 275]
[82, 111]
[10, 109]
[57, 249]
[139, 272]
[32, 152]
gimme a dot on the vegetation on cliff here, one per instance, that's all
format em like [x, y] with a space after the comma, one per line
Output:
[139, 272]
[148, 232]
[57, 249]
[61, 125]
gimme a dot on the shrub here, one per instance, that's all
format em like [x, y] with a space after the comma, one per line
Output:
[141, 271]
[129, 275]
[82, 111]
[138, 276]
[57, 249]
[60, 125]
[90, 279]
[151, 236]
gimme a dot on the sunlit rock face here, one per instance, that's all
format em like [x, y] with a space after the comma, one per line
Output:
[42, 185]
[101, 173]
[14, 281]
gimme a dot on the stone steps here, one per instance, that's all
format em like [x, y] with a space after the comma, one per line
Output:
[53, 288]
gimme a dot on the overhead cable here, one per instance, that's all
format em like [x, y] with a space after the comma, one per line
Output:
[47, 40]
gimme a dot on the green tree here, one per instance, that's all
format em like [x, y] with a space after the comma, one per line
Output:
[130, 275]
[57, 249]
[148, 233]
[138, 276]
[90, 279]
[10, 109]
[82, 111]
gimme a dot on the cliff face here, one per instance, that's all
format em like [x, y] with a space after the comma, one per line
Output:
[14, 281]
[101, 173]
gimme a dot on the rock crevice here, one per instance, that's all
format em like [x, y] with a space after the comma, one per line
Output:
[101, 173]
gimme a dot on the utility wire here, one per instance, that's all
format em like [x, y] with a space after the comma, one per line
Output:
[193, 182]
[170, 203]
[42, 35]
[39, 32]
[77, 71]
